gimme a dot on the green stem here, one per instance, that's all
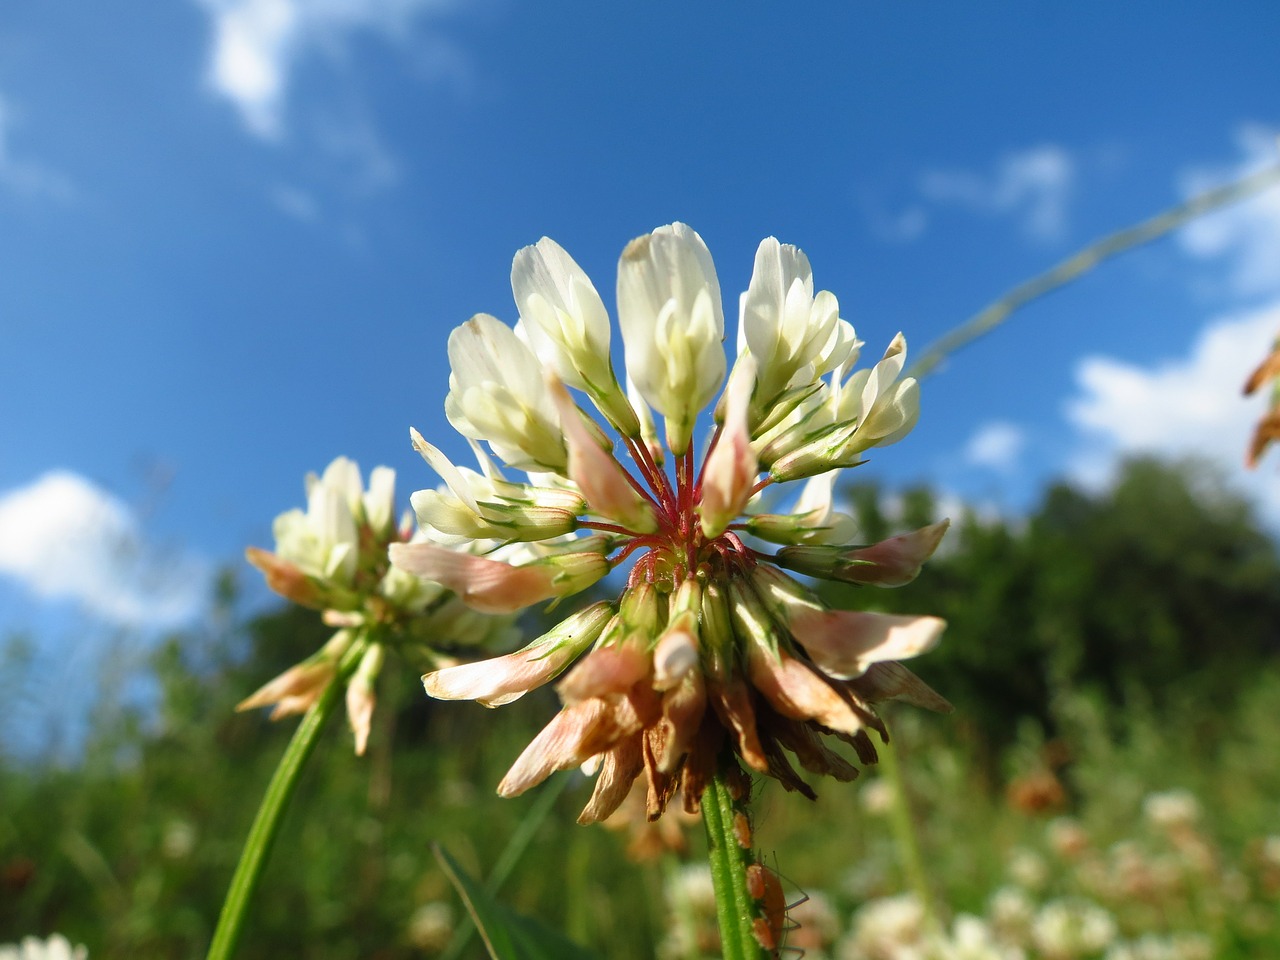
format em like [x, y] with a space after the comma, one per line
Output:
[903, 824]
[735, 908]
[1081, 262]
[257, 846]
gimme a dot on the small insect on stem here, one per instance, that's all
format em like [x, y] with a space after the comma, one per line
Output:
[764, 886]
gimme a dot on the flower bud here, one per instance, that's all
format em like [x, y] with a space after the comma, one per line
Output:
[504, 679]
[890, 563]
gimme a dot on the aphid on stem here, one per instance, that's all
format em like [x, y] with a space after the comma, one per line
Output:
[770, 929]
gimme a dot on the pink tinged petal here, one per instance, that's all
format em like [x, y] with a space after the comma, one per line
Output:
[294, 691]
[360, 704]
[621, 766]
[896, 561]
[564, 743]
[844, 643]
[488, 586]
[286, 578]
[362, 695]
[796, 690]
[731, 468]
[503, 679]
[604, 671]
[599, 476]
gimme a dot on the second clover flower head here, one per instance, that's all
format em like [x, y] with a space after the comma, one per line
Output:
[711, 645]
[333, 557]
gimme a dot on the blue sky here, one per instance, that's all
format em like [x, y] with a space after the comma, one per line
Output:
[234, 235]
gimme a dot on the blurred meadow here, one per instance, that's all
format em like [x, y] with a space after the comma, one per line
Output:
[1107, 786]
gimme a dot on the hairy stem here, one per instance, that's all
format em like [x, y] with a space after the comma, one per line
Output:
[735, 908]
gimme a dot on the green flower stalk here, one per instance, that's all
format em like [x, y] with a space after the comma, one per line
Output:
[333, 557]
[711, 646]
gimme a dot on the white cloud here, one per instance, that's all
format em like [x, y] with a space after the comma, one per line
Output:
[1245, 238]
[62, 537]
[1032, 185]
[26, 177]
[257, 44]
[1185, 405]
[996, 445]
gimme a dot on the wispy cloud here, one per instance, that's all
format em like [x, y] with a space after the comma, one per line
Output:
[903, 227]
[996, 445]
[257, 44]
[1034, 186]
[295, 203]
[23, 176]
[354, 145]
[64, 538]
[1243, 240]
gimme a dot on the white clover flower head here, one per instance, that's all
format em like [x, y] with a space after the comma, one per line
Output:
[877, 797]
[970, 938]
[888, 927]
[1067, 837]
[431, 926]
[1072, 927]
[334, 557]
[179, 839]
[1270, 850]
[1171, 809]
[710, 643]
[1027, 868]
[1011, 913]
[56, 947]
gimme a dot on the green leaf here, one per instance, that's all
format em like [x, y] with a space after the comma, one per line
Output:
[507, 935]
